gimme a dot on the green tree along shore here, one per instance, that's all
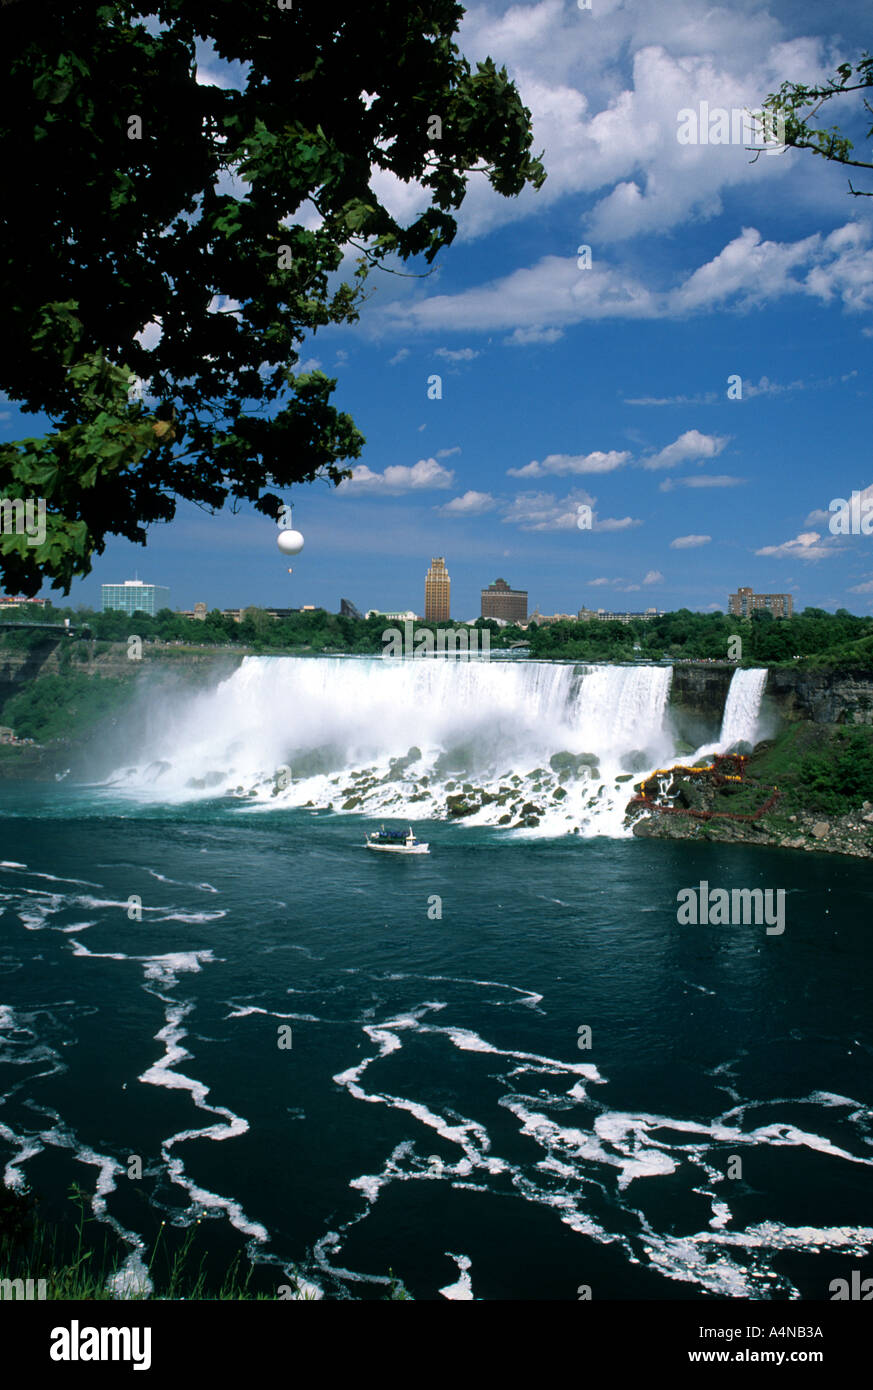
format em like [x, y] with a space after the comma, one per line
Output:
[812, 638]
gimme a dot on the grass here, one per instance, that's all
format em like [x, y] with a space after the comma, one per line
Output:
[74, 1267]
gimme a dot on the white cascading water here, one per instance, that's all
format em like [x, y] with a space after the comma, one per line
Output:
[331, 726]
[742, 707]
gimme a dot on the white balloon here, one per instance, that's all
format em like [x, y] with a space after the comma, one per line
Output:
[290, 542]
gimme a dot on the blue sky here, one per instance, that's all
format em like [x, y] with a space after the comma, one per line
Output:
[605, 385]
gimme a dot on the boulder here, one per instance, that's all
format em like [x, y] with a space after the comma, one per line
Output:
[572, 764]
[636, 761]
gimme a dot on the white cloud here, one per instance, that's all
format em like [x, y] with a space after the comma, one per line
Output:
[701, 480]
[806, 546]
[605, 89]
[596, 462]
[447, 453]
[397, 478]
[708, 398]
[399, 356]
[654, 577]
[747, 273]
[688, 542]
[690, 445]
[865, 588]
[526, 337]
[614, 523]
[824, 517]
[470, 504]
[543, 511]
[457, 354]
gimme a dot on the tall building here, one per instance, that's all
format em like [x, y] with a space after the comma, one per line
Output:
[745, 602]
[437, 589]
[133, 596]
[499, 601]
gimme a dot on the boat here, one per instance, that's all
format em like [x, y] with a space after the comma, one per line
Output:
[395, 841]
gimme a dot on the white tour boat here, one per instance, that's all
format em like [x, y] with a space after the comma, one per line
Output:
[395, 841]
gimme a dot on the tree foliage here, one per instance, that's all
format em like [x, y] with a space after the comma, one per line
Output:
[141, 196]
[797, 105]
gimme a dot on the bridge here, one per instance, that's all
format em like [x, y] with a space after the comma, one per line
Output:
[65, 628]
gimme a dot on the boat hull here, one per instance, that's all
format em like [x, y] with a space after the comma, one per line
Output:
[398, 849]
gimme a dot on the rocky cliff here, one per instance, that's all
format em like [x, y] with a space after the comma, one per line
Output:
[698, 693]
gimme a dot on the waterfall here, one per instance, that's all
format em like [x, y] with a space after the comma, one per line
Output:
[742, 707]
[372, 735]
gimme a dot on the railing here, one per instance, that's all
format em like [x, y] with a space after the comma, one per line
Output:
[717, 777]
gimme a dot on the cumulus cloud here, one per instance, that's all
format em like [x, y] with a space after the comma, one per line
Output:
[470, 504]
[807, 546]
[690, 445]
[596, 462]
[688, 542]
[544, 511]
[654, 577]
[398, 478]
[608, 123]
[747, 273]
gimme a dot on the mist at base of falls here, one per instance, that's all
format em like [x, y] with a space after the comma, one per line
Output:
[537, 744]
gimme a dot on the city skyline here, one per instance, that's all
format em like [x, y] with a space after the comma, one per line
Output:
[501, 601]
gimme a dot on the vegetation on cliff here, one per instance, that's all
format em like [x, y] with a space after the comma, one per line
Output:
[822, 777]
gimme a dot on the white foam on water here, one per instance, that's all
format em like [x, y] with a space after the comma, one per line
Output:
[192, 918]
[462, 1290]
[611, 1150]
[132, 1280]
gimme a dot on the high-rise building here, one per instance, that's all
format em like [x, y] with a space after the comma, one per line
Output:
[499, 601]
[437, 591]
[745, 602]
[133, 596]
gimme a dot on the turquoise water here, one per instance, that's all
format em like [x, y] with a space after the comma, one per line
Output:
[434, 1114]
